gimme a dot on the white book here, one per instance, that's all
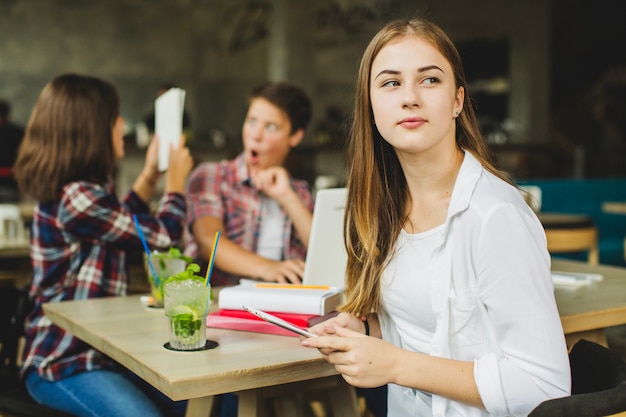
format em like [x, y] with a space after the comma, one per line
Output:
[168, 122]
[281, 298]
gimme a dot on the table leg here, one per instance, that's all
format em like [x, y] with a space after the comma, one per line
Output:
[343, 399]
[250, 403]
[200, 407]
[291, 405]
[290, 401]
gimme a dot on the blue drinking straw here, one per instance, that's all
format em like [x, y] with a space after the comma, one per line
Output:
[145, 247]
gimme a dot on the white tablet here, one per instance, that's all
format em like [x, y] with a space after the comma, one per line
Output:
[279, 322]
[168, 122]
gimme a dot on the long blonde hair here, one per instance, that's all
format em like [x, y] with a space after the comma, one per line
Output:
[377, 188]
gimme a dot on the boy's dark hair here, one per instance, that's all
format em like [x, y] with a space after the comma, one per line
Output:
[289, 98]
[69, 136]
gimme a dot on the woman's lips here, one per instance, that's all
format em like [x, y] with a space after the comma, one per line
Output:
[412, 122]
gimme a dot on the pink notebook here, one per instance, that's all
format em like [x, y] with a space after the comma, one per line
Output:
[302, 320]
[242, 320]
[249, 325]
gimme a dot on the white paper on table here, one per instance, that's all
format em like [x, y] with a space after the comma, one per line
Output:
[574, 278]
[168, 122]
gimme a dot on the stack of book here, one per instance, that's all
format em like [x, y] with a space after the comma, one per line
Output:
[301, 305]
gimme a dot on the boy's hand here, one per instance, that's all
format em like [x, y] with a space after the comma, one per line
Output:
[274, 182]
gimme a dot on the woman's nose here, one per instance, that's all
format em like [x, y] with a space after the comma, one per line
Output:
[411, 97]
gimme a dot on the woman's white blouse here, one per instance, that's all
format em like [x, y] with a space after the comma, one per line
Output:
[493, 300]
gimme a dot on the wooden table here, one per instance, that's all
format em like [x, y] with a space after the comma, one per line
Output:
[14, 254]
[614, 207]
[254, 365]
[18, 247]
[587, 310]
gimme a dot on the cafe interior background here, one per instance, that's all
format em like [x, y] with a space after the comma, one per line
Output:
[548, 78]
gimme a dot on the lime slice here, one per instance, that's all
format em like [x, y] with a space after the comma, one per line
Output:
[183, 310]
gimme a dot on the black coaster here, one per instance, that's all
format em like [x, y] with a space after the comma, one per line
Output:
[210, 344]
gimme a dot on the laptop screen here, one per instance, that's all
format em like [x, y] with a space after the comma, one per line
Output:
[326, 255]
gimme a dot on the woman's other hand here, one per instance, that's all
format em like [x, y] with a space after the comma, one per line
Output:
[150, 168]
[180, 165]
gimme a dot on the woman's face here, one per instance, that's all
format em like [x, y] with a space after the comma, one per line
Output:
[118, 137]
[414, 96]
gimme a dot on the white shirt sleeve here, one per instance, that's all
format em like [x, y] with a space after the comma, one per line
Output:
[515, 284]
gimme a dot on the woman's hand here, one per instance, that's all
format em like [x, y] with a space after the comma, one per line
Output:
[363, 361]
[150, 169]
[180, 165]
[345, 320]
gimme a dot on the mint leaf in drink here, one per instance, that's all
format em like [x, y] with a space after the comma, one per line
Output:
[185, 325]
[188, 273]
[176, 253]
[172, 253]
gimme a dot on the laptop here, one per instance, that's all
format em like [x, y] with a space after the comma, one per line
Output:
[326, 257]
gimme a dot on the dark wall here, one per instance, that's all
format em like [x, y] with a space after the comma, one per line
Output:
[219, 49]
[589, 84]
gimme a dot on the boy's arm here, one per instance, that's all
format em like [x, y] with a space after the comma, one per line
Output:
[233, 259]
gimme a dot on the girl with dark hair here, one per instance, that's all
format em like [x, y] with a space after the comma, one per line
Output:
[79, 238]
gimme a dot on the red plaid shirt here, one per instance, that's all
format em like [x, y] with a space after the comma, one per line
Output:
[224, 190]
[78, 251]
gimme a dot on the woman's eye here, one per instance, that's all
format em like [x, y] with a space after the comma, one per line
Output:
[272, 127]
[391, 83]
[431, 80]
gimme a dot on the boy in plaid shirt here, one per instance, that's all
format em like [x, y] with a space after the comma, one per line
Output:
[264, 214]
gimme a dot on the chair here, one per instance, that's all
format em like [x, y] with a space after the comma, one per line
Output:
[14, 399]
[598, 384]
[568, 233]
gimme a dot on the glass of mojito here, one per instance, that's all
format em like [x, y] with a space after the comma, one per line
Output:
[166, 264]
[186, 307]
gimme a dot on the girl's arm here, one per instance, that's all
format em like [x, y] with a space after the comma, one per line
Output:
[371, 362]
[147, 180]
[89, 212]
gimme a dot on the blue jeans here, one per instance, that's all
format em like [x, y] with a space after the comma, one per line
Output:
[103, 393]
[228, 405]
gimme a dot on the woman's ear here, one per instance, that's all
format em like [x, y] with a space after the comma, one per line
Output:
[458, 101]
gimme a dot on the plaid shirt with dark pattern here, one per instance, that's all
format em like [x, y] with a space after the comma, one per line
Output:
[224, 190]
[78, 251]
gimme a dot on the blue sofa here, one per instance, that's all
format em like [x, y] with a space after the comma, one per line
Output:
[586, 197]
